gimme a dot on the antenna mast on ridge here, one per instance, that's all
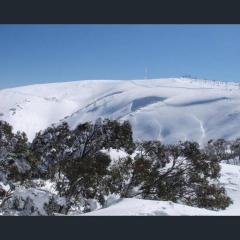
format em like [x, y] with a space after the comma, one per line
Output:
[146, 73]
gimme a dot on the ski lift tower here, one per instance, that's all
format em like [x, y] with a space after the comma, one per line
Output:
[146, 73]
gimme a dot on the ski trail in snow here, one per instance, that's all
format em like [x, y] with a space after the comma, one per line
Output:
[202, 129]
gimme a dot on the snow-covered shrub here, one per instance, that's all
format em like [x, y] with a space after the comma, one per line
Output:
[86, 176]
[36, 200]
[220, 149]
[57, 143]
[50, 147]
[15, 156]
[178, 173]
[26, 202]
[225, 151]
[118, 135]
[74, 158]
[120, 180]
[56, 205]
[82, 173]
[202, 173]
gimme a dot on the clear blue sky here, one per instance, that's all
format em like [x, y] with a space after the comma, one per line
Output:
[32, 54]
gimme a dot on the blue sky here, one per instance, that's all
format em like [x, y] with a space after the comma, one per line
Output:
[32, 54]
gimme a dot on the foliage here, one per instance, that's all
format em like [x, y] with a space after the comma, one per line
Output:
[82, 172]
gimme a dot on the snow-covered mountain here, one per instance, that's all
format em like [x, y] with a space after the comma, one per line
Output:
[166, 109]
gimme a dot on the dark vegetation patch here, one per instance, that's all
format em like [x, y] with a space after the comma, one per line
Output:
[75, 161]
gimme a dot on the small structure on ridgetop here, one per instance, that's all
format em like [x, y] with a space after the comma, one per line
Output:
[146, 73]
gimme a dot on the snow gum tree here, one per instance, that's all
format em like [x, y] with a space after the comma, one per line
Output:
[180, 173]
[78, 163]
[15, 155]
[51, 147]
[74, 158]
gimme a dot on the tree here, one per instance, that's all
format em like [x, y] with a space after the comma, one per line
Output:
[15, 155]
[179, 173]
[118, 135]
[86, 176]
[50, 148]
[219, 148]
[75, 161]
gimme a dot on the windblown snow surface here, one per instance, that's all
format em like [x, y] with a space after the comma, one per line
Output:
[169, 110]
[165, 109]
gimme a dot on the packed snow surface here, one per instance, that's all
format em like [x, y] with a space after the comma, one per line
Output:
[169, 110]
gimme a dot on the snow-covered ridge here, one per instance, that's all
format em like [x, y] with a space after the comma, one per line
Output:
[169, 109]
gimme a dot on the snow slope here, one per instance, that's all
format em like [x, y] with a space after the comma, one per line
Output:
[166, 109]
[140, 207]
[230, 179]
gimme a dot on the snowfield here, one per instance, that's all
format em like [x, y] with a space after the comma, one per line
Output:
[140, 207]
[169, 110]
